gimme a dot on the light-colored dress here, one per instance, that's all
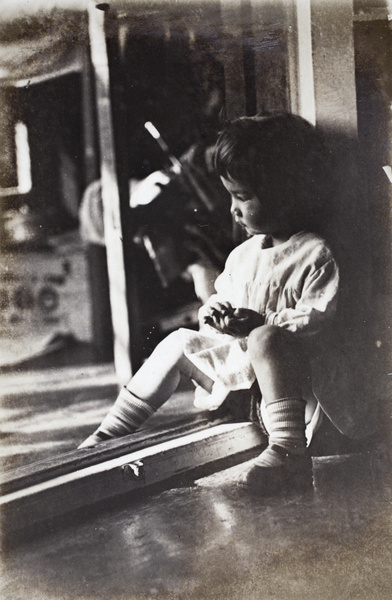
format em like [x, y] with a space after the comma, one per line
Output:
[295, 285]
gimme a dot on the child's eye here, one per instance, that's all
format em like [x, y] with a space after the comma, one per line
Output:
[243, 197]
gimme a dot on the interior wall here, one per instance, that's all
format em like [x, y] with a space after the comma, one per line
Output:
[373, 51]
[357, 393]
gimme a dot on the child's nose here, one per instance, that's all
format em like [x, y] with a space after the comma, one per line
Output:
[235, 210]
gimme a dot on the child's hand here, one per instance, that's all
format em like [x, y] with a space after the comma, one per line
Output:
[242, 322]
[217, 313]
[237, 322]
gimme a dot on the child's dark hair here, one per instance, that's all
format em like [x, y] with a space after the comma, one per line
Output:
[279, 156]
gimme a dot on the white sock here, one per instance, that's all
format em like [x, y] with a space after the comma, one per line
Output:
[126, 416]
[287, 430]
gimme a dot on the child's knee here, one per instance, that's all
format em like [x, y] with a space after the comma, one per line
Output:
[171, 345]
[174, 338]
[266, 341]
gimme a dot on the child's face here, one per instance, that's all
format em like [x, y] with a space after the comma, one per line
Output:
[255, 214]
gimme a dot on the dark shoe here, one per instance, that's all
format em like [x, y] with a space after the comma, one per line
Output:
[294, 475]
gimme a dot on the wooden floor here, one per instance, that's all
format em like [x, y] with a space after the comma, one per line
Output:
[210, 541]
[45, 413]
[200, 539]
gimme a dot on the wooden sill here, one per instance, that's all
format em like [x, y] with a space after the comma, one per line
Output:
[51, 489]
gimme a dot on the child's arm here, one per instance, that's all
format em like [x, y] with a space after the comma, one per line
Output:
[316, 303]
[219, 313]
[216, 301]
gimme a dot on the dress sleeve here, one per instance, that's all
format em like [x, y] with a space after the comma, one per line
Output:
[315, 305]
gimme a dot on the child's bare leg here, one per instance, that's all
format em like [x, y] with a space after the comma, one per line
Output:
[283, 372]
[149, 388]
[280, 362]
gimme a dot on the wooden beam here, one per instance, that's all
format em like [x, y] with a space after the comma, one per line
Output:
[110, 197]
[233, 58]
[322, 63]
[334, 65]
[90, 142]
[269, 26]
[300, 57]
[66, 463]
[127, 474]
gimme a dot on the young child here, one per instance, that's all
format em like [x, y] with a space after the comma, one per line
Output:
[276, 295]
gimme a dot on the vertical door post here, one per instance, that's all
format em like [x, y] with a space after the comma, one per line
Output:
[110, 197]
